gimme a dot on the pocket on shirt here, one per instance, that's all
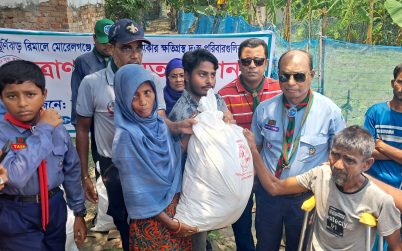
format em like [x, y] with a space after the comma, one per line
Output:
[272, 138]
[311, 147]
[59, 152]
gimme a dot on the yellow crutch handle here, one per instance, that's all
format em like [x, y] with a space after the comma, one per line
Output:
[368, 219]
[309, 204]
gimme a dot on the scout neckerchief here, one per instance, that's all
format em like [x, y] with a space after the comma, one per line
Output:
[289, 146]
[43, 183]
[254, 92]
[106, 59]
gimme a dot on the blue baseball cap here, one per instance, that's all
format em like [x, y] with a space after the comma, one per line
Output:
[126, 31]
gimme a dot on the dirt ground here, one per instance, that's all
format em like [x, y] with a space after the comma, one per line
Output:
[221, 240]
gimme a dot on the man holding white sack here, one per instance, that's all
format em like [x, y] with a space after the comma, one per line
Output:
[293, 133]
[242, 96]
[200, 75]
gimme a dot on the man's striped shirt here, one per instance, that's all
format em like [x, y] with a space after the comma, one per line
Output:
[386, 124]
[240, 102]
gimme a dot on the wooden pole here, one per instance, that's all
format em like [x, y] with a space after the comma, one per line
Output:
[370, 24]
[309, 24]
[321, 50]
[248, 7]
[288, 24]
[399, 38]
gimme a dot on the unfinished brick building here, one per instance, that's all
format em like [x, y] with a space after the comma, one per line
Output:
[51, 15]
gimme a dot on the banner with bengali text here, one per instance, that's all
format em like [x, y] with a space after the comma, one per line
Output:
[55, 52]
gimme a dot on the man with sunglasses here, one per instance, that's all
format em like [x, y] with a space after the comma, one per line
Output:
[242, 96]
[96, 102]
[383, 121]
[293, 133]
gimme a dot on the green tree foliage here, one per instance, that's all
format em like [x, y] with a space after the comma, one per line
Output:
[194, 6]
[357, 21]
[132, 9]
[394, 9]
[206, 7]
[272, 7]
[350, 20]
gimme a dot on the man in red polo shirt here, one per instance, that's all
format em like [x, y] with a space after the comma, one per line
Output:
[242, 96]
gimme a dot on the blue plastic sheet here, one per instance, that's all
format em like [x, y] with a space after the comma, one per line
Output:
[354, 76]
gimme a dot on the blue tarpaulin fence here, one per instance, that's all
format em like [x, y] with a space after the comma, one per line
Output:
[213, 25]
[354, 76]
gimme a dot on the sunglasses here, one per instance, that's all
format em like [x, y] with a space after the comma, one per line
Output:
[257, 61]
[298, 77]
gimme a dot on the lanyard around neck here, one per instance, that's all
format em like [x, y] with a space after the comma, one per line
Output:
[288, 152]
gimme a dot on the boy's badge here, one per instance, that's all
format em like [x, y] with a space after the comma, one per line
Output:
[270, 125]
[19, 143]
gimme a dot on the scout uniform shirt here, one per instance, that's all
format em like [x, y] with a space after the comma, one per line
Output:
[29, 148]
[322, 123]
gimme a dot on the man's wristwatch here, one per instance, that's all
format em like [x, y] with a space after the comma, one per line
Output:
[81, 213]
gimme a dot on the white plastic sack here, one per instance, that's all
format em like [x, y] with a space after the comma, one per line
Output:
[104, 222]
[70, 243]
[218, 175]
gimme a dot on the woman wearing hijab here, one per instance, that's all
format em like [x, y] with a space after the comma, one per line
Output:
[148, 160]
[174, 83]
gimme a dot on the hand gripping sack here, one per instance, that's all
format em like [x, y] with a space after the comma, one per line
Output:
[218, 175]
[104, 222]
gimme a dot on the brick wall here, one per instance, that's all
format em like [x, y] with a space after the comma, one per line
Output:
[83, 19]
[52, 15]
